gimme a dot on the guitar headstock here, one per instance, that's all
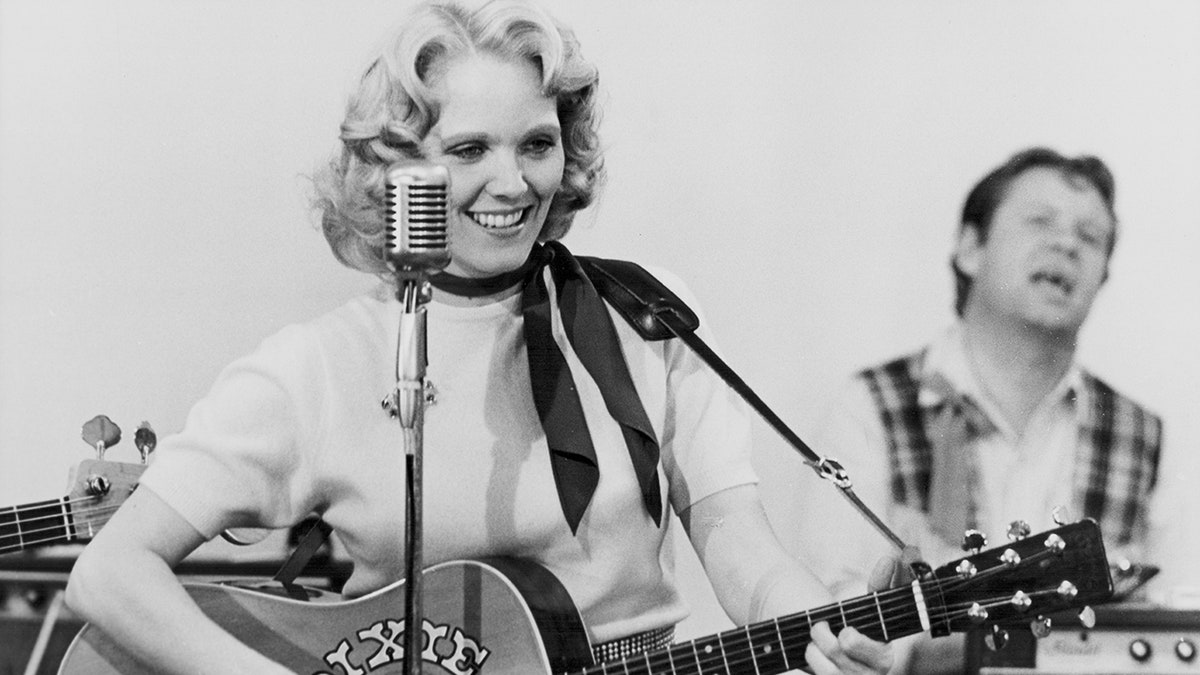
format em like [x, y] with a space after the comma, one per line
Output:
[98, 488]
[1034, 575]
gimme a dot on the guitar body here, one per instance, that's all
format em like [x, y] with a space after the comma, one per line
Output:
[499, 616]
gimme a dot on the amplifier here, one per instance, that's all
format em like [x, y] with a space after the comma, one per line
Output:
[1125, 639]
[18, 635]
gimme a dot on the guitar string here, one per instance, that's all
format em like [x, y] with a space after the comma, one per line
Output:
[54, 511]
[858, 608]
[703, 648]
[22, 535]
[742, 652]
[69, 501]
[24, 542]
[59, 513]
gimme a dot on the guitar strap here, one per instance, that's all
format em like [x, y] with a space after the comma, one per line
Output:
[310, 542]
[640, 298]
[657, 314]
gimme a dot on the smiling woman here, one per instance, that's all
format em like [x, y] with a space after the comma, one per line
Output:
[560, 435]
[513, 119]
[503, 177]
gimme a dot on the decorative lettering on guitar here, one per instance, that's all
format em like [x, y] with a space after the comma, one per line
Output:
[383, 641]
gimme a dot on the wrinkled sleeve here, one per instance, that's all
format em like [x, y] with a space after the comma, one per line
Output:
[240, 460]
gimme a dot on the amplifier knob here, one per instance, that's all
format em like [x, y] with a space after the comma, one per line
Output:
[1140, 650]
[1185, 649]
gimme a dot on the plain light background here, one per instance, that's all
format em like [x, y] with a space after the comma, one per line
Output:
[800, 164]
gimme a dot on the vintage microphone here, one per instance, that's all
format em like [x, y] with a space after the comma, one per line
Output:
[415, 246]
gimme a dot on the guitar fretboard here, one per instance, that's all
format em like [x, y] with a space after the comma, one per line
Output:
[777, 645]
[37, 524]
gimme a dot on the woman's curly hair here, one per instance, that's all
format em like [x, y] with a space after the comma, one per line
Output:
[393, 109]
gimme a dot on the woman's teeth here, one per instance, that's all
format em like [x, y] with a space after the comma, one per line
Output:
[498, 220]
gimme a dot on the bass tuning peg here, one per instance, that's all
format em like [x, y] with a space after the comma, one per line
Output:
[1061, 515]
[974, 541]
[145, 439]
[1040, 627]
[1018, 530]
[101, 433]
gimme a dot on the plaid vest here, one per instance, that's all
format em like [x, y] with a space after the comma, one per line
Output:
[1116, 456]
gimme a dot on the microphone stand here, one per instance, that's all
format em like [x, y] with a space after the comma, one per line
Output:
[407, 405]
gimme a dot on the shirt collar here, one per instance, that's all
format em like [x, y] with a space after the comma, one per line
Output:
[945, 371]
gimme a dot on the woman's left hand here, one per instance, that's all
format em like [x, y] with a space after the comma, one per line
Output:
[848, 652]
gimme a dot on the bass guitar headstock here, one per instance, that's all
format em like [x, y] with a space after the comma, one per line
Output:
[1021, 583]
[99, 486]
[97, 489]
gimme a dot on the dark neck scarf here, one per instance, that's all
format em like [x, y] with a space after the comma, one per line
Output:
[469, 287]
[590, 331]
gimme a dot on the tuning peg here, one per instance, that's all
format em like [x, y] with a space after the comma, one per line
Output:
[101, 433]
[145, 439]
[1061, 515]
[977, 612]
[966, 569]
[1087, 617]
[1040, 627]
[997, 639]
[974, 541]
[1067, 590]
[1021, 600]
[98, 486]
[1010, 558]
[1018, 530]
[1055, 543]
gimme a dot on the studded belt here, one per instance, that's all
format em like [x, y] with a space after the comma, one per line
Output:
[625, 647]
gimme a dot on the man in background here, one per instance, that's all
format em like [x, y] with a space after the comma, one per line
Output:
[994, 420]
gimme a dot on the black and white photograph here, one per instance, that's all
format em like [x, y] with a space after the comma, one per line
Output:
[671, 336]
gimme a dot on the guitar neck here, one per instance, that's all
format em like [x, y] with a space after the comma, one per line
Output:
[37, 524]
[777, 645]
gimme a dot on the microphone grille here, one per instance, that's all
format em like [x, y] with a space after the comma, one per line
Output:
[416, 236]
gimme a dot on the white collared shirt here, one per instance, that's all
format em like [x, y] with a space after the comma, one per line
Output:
[1022, 475]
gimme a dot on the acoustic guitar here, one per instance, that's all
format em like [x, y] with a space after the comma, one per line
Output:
[511, 617]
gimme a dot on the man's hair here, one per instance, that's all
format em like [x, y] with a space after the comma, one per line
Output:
[990, 191]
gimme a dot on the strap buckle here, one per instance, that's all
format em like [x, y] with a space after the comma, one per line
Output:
[832, 470]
